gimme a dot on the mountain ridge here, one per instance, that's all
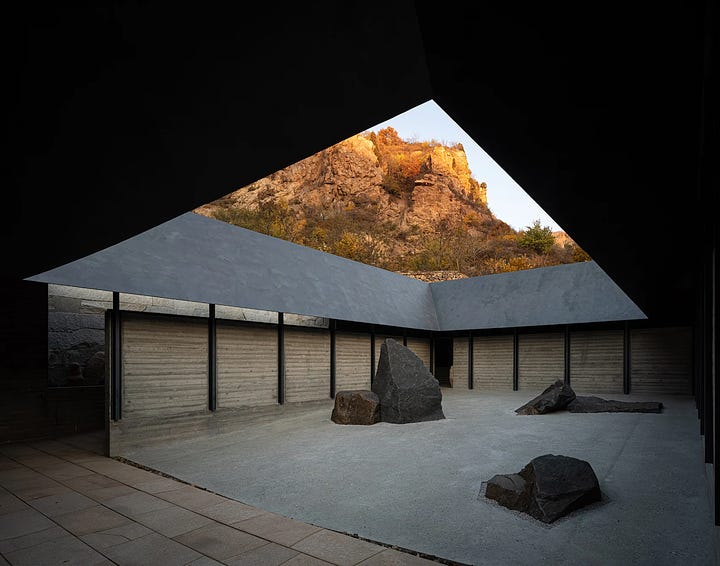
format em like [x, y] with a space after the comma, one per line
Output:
[403, 205]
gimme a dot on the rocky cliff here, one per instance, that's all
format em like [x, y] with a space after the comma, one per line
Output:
[402, 205]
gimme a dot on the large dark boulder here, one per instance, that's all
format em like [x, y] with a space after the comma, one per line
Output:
[356, 407]
[555, 398]
[407, 390]
[547, 488]
[599, 405]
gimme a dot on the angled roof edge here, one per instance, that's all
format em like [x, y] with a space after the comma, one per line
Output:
[196, 258]
[561, 294]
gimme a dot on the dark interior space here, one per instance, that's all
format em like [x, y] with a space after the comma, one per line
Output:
[443, 358]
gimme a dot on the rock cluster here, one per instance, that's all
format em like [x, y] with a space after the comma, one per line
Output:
[404, 391]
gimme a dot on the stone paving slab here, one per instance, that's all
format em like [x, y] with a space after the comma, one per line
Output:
[136, 503]
[391, 557]
[277, 528]
[31, 538]
[65, 550]
[62, 503]
[337, 548]
[89, 510]
[270, 554]
[230, 512]
[20, 523]
[90, 520]
[115, 536]
[153, 548]
[192, 498]
[305, 560]
[173, 521]
[220, 541]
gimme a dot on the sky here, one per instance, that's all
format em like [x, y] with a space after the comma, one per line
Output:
[506, 199]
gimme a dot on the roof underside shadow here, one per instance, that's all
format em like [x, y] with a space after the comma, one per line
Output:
[196, 258]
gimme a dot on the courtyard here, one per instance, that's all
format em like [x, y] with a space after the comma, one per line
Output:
[419, 486]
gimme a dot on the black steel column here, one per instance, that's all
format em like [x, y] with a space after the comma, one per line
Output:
[332, 358]
[709, 392]
[115, 355]
[470, 360]
[405, 337]
[715, 392]
[432, 353]
[212, 358]
[516, 357]
[566, 376]
[626, 358]
[281, 359]
[372, 356]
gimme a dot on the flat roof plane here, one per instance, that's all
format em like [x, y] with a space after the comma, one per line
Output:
[196, 258]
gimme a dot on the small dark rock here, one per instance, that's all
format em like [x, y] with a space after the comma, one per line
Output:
[356, 407]
[599, 405]
[509, 490]
[547, 488]
[408, 392]
[555, 398]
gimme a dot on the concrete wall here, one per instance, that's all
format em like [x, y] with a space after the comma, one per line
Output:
[307, 365]
[352, 361]
[661, 360]
[596, 361]
[165, 376]
[541, 360]
[459, 369]
[246, 366]
[76, 334]
[493, 363]
[421, 347]
[164, 367]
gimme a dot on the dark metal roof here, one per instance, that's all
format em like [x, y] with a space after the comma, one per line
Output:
[561, 294]
[196, 258]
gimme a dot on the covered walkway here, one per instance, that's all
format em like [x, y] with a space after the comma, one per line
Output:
[62, 504]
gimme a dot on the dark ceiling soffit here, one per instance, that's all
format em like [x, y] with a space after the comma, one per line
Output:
[196, 258]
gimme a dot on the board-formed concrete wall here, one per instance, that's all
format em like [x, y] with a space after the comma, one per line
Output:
[541, 360]
[493, 363]
[459, 369]
[307, 365]
[246, 366]
[596, 361]
[421, 348]
[164, 367]
[661, 360]
[352, 361]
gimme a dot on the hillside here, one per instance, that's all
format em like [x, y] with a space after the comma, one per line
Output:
[407, 206]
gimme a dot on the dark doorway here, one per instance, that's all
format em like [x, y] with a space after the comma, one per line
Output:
[443, 357]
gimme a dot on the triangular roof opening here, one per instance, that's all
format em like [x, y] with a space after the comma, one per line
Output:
[414, 194]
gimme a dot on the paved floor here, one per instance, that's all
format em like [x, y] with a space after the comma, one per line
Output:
[419, 486]
[62, 504]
